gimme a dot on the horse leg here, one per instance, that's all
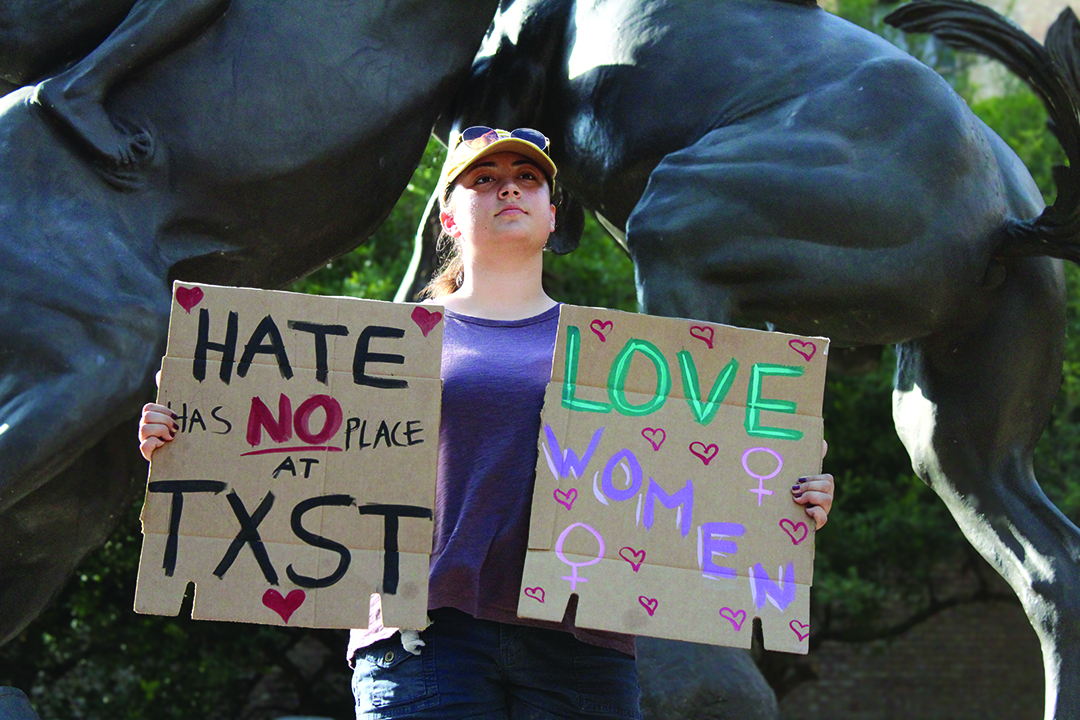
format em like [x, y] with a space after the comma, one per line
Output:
[969, 405]
[151, 29]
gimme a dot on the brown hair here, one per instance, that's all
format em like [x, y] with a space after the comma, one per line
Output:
[451, 274]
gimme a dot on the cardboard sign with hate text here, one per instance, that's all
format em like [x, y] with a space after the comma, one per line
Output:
[667, 453]
[302, 479]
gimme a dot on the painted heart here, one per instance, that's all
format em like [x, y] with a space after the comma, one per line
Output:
[426, 319]
[600, 327]
[705, 334]
[656, 436]
[801, 346]
[632, 556]
[736, 618]
[800, 630]
[566, 497]
[536, 593]
[796, 531]
[703, 451]
[189, 297]
[283, 606]
[648, 603]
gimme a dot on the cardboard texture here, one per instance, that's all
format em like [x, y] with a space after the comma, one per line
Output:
[666, 456]
[303, 476]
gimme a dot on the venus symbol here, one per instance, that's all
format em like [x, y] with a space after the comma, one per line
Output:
[573, 577]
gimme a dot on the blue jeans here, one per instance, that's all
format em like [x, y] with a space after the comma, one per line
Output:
[471, 668]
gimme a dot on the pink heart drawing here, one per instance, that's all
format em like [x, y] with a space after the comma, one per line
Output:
[283, 606]
[702, 333]
[656, 436]
[703, 451]
[799, 347]
[735, 618]
[426, 319]
[566, 497]
[636, 557]
[796, 531]
[648, 603]
[536, 593]
[600, 327]
[800, 630]
[189, 297]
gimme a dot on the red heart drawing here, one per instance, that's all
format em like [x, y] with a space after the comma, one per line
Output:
[800, 630]
[636, 557]
[648, 603]
[706, 452]
[189, 297]
[704, 334]
[796, 531]
[651, 434]
[566, 497]
[735, 618]
[800, 349]
[536, 593]
[426, 319]
[600, 328]
[283, 606]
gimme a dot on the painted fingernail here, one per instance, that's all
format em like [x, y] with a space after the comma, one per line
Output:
[802, 480]
[175, 428]
[794, 488]
[174, 416]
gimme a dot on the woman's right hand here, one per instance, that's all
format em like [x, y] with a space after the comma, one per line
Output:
[157, 426]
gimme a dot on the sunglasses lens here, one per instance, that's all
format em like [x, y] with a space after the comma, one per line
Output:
[478, 137]
[529, 135]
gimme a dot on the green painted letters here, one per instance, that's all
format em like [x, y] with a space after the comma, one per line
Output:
[573, 349]
[704, 412]
[621, 367]
[755, 403]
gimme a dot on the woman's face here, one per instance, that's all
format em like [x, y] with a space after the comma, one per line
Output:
[499, 200]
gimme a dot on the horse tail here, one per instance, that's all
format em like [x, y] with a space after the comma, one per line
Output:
[1053, 72]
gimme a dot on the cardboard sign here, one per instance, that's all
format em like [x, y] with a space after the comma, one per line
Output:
[303, 476]
[667, 452]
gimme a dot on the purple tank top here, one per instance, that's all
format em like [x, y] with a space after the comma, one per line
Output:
[494, 376]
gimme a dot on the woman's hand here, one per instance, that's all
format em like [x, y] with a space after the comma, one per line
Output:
[157, 426]
[815, 492]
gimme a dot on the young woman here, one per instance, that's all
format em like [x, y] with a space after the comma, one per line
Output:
[478, 659]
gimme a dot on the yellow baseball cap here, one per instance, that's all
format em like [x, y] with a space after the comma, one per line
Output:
[480, 141]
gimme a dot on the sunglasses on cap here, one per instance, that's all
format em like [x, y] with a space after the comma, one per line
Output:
[479, 137]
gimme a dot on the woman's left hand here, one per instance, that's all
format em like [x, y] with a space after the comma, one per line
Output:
[815, 492]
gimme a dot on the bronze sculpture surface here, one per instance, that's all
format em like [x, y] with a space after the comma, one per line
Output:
[798, 173]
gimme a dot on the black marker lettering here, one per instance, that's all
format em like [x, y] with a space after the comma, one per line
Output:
[286, 464]
[362, 356]
[249, 535]
[410, 431]
[227, 348]
[390, 538]
[178, 488]
[196, 417]
[320, 332]
[255, 346]
[319, 541]
[223, 421]
[308, 462]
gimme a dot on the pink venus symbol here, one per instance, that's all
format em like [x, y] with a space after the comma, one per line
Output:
[573, 577]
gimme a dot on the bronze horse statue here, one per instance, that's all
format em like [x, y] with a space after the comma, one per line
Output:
[786, 169]
[764, 162]
[206, 140]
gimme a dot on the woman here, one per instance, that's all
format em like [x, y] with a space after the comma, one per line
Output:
[478, 659]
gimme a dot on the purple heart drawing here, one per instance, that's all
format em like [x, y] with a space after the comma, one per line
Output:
[704, 452]
[648, 603]
[636, 557]
[600, 327]
[801, 346]
[566, 498]
[536, 593]
[189, 297]
[796, 531]
[735, 618]
[800, 630]
[426, 319]
[656, 436]
[705, 334]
